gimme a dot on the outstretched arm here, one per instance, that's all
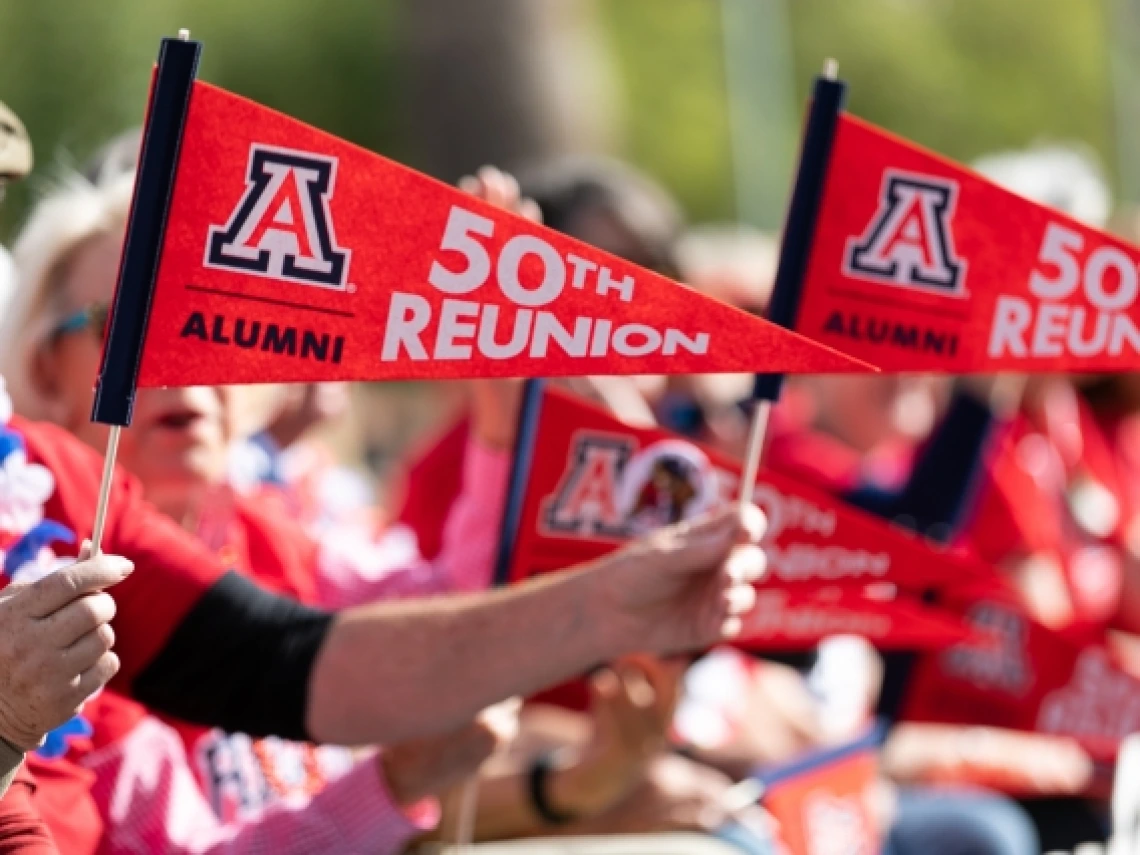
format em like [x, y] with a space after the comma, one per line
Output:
[379, 674]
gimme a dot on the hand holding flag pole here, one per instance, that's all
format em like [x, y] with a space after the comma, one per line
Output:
[138, 269]
[795, 252]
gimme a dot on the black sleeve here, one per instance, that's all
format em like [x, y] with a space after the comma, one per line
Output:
[933, 502]
[942, 484]
[240, 660]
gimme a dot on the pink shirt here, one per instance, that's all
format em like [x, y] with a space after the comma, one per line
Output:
[151, 802]
[157, 799]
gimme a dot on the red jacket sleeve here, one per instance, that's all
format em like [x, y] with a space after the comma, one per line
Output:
[172, 568]
[22, 830]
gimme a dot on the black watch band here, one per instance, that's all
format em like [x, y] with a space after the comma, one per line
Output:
[539, 777]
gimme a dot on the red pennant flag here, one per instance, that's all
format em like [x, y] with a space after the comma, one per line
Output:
[800, 619]
[598, 481]
[1017, 673]
[919, 264]
[824, 802]
[291, 255]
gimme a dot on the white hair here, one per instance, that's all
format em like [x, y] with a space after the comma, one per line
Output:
[740, 253]
[74, 212]
[1066, 177]
[7, 278]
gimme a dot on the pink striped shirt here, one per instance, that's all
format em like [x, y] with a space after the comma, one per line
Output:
[157, 799]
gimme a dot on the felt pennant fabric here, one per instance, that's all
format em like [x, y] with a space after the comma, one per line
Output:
[1018, 673]
[832, 568]
[919, 264]
[823, 802]
[291, 255]
[599, 481]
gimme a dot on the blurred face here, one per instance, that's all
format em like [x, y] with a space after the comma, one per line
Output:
[176, 444]
[864, 410]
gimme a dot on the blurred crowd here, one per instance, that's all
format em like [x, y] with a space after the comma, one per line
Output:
[291, 667]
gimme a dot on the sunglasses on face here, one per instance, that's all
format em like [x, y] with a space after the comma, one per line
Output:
[91, 319]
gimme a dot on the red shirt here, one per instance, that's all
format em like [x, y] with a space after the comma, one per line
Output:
[256, 539]
[172, 571]
[434, 481]
[1038, 497]
[22, 829]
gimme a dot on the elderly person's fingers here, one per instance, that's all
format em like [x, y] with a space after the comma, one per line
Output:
[63, 587]
[78, 618]
[89, 649]
[97, 676]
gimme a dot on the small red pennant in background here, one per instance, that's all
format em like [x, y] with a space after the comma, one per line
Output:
[598, 482]
[1021, 675]
[919, 264]
[823, 803]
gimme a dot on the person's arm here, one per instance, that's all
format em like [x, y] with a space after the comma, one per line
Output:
[377, 676]
[631, 712]
[22, 831]
[145, 787]
[224, 652]
[1024, 764]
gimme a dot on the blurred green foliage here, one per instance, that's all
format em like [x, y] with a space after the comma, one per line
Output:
[962, 76]
[77, 72]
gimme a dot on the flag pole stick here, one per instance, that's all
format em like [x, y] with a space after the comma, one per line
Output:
[465, 822]
[757, 432]
[105, 489]
[795, 250]
[117, 380]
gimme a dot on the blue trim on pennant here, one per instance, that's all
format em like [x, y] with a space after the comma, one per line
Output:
[770, 777]
[526, 437]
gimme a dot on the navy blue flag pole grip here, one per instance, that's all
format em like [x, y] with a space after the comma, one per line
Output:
[799, 229]
[146, 228]
[142, 249]
[526, 438]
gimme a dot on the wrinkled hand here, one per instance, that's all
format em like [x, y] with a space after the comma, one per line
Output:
[683, 587]
[420, 768]
[632, 708]
[495, 403]
[55, 646]
[680, 795]
[500, 189]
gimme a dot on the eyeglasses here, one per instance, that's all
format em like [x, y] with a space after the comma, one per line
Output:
[92, 318]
